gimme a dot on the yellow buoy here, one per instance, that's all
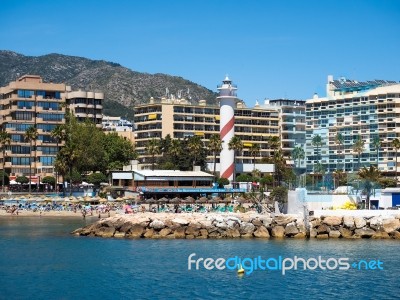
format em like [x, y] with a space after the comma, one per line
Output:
[240, 269]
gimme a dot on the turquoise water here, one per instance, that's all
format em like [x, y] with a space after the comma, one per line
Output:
[41, 260]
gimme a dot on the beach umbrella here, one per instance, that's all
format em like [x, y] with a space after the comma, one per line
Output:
[227, 200]
[175, 200]
[202, 200]
[241, 199]
[162, 200]
[102, 200]
[215, 200]
[87, 199]
[150, 201]
[119, 199]
[75, 201]
[190, 198]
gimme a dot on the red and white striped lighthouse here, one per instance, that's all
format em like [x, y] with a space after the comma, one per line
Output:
[227, 98]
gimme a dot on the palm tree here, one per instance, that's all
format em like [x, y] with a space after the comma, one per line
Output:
[376, 143]
[153, 148]
[175, 149]
[236, 145]
[58, 135]
[340, 141]
[274, 142]
[396, 145]
[255, 151]
[369, 176]
[317, 142]
[215, 146]
[31, 135]
[298, 154]
[5, 139]
[358, 147]
[195, 146]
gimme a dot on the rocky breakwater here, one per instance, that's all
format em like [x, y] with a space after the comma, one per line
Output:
[249, 225]
[349, 227]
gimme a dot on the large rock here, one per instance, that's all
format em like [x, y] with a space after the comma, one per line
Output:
[257, 222]
[395, 235]
[332, 220]
[246, 228]
[180, 233]
[180, 221]
[157, 224]
[232, 233]
[380, 235]
[348, 221]
[204, 233]
[119, 234]
[323, 229]
[278, 231]
[221, 225]
[267, 221]
[105, 232]
[315, 223]
[149, 233]
[322, 236]
[359, 222]
[135, 231]
[284, 220]
[390, 225]
[206, 224]
[192, 231]
[346, 233]
[364, 232]
[125, 227]
[261, 232]
[375, 223]
[291, 229]
[313, 232]
[334, 234]
[164, 232]
[300, 235]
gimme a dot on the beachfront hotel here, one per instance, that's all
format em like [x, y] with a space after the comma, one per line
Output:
[353, 110]
[28, 102]
[181, 119]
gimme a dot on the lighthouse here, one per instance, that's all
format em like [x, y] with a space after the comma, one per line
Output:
[227, 98]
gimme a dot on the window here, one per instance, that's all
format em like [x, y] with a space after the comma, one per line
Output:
[47, 160]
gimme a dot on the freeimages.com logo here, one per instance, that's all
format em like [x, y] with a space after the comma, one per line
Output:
[281, 264]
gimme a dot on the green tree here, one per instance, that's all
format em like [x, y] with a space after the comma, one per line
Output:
[96, 179]
[358, 147]
[118, 151]
[376, 143]
[4, 177]
[195, 146]
[222, 181]
[58, 134]
[49, 180]
[244, 178]
[5, 140]
[153, 148]
[396, 145]
[340, 141]
[370, 178]
[280, 195]
[317, 143]
[22, 179]
[215, 146]
[255, 150]
[298, 154]
[31, 135]
[236, 145]
[274, 142]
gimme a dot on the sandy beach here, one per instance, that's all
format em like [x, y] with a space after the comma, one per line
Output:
[53, 213]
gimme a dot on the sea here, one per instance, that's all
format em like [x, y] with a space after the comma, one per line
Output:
[40, 259]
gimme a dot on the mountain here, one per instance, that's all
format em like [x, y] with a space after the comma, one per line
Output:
[122, 87]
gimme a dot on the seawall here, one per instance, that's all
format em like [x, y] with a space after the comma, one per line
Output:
[236, 225]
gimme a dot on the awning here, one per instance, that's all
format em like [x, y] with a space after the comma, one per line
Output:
[153, 117]
[120, 175]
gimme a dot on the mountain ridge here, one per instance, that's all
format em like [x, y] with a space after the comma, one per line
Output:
[123, 88]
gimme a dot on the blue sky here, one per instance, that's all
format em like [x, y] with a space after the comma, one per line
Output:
[270, 49]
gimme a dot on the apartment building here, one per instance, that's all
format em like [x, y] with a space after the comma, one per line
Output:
[86, 106]
[292, 124]
[353, 110]
[28, 102]
[181, 119]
